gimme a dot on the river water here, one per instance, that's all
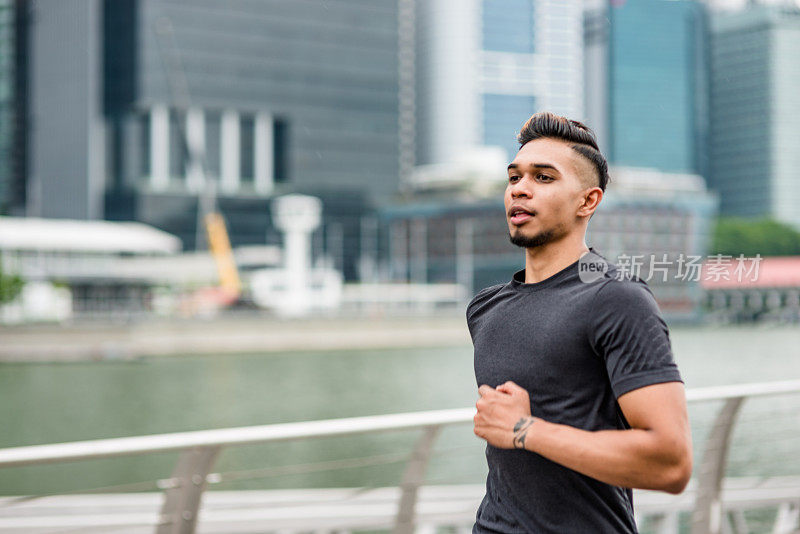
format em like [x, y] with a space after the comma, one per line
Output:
[49, 403]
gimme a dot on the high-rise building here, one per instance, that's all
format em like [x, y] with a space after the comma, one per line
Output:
[646, 73]
[12, 106]
[484, 66]
[133, 102]
[65, 123]
[6, 96]
[755, 113]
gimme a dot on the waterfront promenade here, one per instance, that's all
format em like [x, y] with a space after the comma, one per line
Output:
[227, 335]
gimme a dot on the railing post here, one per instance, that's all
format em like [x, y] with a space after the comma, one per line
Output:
[182, 497]
[707, 514]
[413, 477]
[668, 523]
[788, 518]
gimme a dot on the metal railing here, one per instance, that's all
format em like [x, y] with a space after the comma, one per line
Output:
[200, 449]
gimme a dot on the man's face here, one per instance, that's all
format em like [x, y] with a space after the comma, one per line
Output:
[548, 180]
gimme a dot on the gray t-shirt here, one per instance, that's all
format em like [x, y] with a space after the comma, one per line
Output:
[575, 346]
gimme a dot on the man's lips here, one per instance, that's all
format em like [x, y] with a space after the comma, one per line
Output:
[520, 215]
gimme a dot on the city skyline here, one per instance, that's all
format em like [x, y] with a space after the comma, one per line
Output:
[148, 117]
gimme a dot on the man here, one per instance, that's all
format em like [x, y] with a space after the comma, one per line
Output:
[580, 399]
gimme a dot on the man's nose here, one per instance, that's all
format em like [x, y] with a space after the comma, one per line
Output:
[521, 187]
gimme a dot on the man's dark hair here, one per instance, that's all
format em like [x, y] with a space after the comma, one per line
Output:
[550, 125]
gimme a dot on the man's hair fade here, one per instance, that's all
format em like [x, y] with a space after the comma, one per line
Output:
[549, 125]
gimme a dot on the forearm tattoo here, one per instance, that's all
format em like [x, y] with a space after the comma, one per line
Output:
[521, 431]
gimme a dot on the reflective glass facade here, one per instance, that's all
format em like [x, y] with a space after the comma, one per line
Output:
[740, 83]
[503, 115]
[508, 26]
[755, 112]
[484, 67]
[658, 85]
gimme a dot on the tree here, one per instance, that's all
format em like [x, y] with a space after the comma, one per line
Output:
[10, 285]
[734, 236]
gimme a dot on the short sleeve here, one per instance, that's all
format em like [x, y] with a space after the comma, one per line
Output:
[631, 336]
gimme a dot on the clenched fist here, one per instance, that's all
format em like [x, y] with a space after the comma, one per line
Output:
[504, 415]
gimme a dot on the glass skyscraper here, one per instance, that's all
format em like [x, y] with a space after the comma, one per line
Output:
[507, 27]
[657, 76]
[485, 66]
[755, 114]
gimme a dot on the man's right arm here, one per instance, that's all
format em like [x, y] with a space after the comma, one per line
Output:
[655, 453]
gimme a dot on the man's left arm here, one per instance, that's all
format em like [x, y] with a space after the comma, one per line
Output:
[655, 453]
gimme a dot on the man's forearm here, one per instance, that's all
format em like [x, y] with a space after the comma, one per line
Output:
[633, 458]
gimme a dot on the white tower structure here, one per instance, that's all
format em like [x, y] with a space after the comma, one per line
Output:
[296, 288]
[297, 216]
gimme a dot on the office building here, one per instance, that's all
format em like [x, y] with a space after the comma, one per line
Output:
[6, 95]
[755, 113]
[140, 108]
[484, 66]
[12, 107]
[646, 78]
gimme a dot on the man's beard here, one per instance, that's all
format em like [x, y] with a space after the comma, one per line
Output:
[542, 238]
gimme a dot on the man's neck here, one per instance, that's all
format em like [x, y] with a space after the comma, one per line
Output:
[545, 261]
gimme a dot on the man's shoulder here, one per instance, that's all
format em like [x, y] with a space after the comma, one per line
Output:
[615, 284]
[482, 298]
[620, 296]
[487, 292]
[618, 284]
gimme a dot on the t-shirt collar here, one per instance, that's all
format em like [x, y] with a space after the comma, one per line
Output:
[518, 278]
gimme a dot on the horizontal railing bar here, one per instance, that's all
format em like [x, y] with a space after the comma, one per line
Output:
[105, 448]
[730, 391]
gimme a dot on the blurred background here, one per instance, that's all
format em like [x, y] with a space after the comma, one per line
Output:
[228, 213]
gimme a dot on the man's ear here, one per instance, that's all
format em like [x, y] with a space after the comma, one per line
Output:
[591, 199]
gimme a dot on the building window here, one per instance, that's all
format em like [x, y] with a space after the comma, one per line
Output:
[114, 151]
[280, 150]
[178, 152]
[246, 146]
[213, 141]
[143, 120]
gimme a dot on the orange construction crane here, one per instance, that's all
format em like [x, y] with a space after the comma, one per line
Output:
[220, 247]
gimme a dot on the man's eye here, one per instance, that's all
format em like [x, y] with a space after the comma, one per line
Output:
[513, 179]
[544, 177]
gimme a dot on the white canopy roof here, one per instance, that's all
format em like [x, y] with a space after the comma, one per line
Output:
[70, 235]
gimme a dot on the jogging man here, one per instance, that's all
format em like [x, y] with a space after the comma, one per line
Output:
[580, 398]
